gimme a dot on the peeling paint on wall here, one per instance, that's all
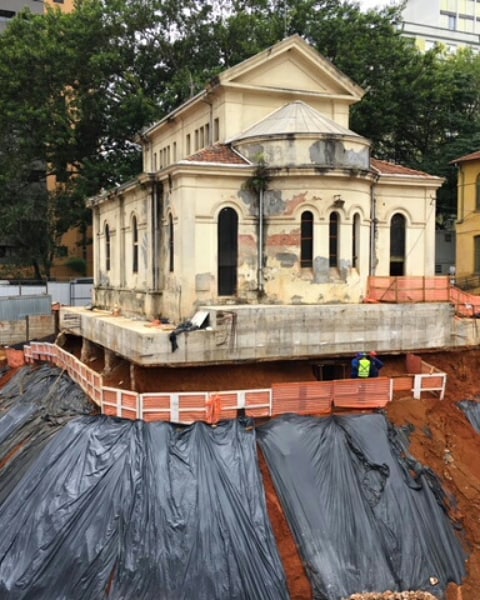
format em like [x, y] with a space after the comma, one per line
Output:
[274, 203]
[287, 259]
[297, 200]
[284, 239]
[331, 152]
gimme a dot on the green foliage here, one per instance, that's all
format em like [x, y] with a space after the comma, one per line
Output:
[77, 88]
[261, 177]
[77, 264]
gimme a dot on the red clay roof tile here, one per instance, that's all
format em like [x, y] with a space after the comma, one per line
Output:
[471, 156]
[219, 153]
[388, 168]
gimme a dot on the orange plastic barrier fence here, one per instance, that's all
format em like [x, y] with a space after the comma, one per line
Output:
[363, 393]
[400, 290]
[413, 363]
[309, 397]
[15, 358]
[302, 398]
[409, 289]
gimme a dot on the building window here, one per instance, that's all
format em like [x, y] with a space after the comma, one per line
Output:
[306, 240]
[208, 141]
[477, 193]
[134, 245]
[397, 245]
[171, 240]
[356, 242]
[174, 151]
[107, 247]
[227, 252]
[476, 258]
[452, 22]
[196, 139]
[188, 145]
[216, 130]
[333, 240]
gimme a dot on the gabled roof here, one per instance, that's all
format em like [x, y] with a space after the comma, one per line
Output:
[294, 118]
[314, 73]
[467, 157]
[219, 153]
[265, 72]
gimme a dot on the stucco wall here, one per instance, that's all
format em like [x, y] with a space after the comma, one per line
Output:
[468, 223]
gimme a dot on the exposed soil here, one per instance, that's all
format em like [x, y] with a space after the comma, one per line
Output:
[442, 439]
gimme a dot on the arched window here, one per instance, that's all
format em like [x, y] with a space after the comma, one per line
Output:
[306, 240]
[171, 242]
[476, 258]
[227, 252]
[397, 245]
[333, 240]
[356, 242]
[477, 199]
[107, 247]
[134, 245]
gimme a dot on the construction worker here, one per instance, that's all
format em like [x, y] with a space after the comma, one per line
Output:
[376, 364]
[364, 365]
[355, 362]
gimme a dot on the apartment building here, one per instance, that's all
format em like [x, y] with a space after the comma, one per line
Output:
[453, 23]
[10, 8]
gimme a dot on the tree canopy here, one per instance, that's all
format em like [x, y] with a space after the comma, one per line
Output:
[77, 88]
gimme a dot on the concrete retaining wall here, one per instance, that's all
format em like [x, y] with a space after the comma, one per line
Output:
[250, 333]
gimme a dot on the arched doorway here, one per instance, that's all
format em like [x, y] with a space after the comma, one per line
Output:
[227, 252]
[397, 245]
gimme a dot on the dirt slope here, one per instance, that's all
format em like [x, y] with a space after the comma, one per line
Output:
[442, 439]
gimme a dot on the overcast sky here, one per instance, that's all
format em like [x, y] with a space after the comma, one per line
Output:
[374, 3]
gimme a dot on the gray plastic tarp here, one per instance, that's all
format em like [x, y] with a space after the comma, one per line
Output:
[362, 522]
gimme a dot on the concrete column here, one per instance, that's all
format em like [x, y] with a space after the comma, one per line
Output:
[133, 383]
[87, 352]
[111, 360]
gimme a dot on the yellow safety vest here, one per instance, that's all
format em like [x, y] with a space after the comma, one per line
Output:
[363, 367]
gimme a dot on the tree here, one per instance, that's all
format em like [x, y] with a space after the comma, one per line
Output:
[77, 89]
[71, 103]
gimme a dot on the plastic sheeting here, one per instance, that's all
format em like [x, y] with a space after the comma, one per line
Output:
[365, 519]
[34, 405]
[471, 408]
[130, 510]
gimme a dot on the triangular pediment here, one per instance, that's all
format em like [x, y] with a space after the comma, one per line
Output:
[292, 65]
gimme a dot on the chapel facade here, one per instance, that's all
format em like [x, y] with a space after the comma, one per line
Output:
[256, 191]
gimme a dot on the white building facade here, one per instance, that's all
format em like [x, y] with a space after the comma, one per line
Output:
[256, 191]
[453, 23]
